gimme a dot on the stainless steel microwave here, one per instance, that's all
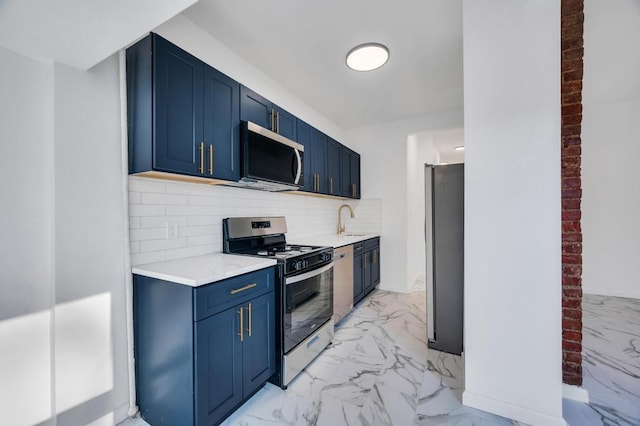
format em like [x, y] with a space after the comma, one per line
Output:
[269, 161]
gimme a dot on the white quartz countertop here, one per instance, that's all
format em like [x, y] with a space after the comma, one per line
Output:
[334, 240]
[198, 270]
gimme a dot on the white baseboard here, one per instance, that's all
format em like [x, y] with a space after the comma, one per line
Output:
[511, 411]
[121, 413]
[575, 393]
[393, 289]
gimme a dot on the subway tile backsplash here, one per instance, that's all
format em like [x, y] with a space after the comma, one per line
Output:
[171, 220]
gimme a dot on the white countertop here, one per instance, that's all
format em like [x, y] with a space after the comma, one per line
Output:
[198, 270]
[333, 240]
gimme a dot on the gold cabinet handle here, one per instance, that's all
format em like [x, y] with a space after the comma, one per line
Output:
[249, 313]
[353, 190]
[211, 160]
[241, 333]
[246, 287]
[331, 185]
[315, 182]
[277, 122]
[201, 158]
[273, 119]
[375, 256]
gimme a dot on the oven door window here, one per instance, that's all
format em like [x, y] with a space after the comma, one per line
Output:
[308, 305]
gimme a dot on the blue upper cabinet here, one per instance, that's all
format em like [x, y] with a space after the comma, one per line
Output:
[256, 108]
[178, 109]
[182, 114]
[314, 143]
[221, 124]
[260, 110]
[334, 160]
[350, 173]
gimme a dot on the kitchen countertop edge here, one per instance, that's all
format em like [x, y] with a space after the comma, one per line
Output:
[204, 269]
[335, 241]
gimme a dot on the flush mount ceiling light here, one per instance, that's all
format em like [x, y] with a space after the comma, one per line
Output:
[459, 148]
[367, 57]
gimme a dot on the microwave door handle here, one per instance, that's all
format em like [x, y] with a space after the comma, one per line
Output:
[299, 170]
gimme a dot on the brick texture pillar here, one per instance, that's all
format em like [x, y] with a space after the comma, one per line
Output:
[572, 20]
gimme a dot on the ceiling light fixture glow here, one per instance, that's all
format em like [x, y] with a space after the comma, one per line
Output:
[459, 148]
[367, 57]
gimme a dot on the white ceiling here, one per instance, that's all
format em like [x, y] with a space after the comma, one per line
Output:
[79, 33]
[302, 44]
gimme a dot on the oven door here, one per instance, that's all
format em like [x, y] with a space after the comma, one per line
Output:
[308, 300]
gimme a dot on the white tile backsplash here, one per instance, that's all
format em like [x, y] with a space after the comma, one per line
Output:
[198, 210]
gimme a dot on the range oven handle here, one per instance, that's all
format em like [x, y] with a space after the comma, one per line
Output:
[308, 275]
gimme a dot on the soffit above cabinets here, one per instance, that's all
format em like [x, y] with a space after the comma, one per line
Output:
[80, 33]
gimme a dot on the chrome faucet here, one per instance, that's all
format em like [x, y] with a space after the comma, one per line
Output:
[340, 225]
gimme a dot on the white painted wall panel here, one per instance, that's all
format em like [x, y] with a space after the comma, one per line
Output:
[610, 148]
[512, 209]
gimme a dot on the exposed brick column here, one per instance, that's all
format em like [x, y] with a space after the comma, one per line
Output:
[572, 20]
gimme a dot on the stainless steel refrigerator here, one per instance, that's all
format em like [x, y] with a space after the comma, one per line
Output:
[444, 239]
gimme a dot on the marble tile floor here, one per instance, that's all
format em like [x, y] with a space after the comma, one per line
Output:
[378, 371]
[611, 363]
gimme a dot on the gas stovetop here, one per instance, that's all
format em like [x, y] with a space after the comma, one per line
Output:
[284, 252]
[264, 237]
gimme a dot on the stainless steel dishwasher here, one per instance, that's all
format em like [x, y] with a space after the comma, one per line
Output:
[342, 282]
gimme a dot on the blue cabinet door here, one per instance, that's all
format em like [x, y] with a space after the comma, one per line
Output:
[256, 108]
[221, 125]
[334, 161]
[358, 287]
[259, 352]
[314, 142]
[355, 174]
[218, 366]
[318, 146]
[285, 123]
[345, 174]
[367, 263]
[375, 266]
[178, 110]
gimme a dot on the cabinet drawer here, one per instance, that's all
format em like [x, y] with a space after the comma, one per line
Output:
[372, 243]
[215, 297]
[357, 248]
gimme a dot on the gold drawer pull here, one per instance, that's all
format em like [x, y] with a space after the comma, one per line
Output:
[241, 332]
[246, 287]
[201, 168]
[211, 160]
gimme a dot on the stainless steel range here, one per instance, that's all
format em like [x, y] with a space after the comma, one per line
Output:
[304, 291]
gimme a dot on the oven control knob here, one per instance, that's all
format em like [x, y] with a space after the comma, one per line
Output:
[298, 265]
[325, 256]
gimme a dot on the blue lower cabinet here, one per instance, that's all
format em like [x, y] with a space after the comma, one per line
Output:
[218, 388]
[192, 370]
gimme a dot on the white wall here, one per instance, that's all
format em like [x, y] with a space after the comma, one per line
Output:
[62, 319]
[26, 255]
[610, 148]
[384, 165]
[421, 150]
[90, 329]
[512, 209]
